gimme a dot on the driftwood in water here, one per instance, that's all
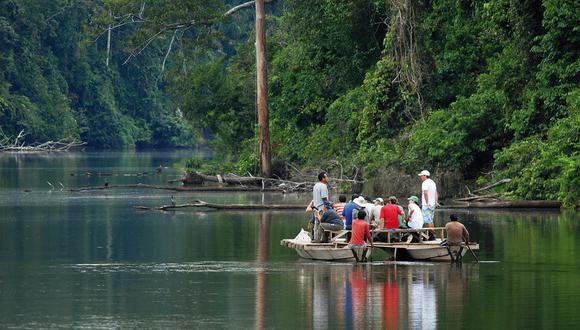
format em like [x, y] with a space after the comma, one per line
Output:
[199, 203]
[472, 198]
[16, 145]
[509, 204]
[199, 178]
[499, 183]
[173, 188]
[489, 198]
[196, 178]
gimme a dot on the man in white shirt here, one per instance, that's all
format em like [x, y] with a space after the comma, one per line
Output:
[429, 199]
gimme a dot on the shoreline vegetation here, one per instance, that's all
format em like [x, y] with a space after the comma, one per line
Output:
[197, 182]
[476, 92]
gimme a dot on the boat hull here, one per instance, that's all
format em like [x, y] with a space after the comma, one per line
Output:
[328, 254]
[427, 252]
[321, 251]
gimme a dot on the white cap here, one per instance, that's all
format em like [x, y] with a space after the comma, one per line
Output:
[360, 201]
[380, 200]
[424, 172]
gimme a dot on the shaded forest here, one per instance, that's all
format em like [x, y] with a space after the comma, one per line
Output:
[482, 90]
[55, 81]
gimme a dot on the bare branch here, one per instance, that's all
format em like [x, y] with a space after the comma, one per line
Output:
[137, 50]
[168, 51]
[239, 7]
[243, 6]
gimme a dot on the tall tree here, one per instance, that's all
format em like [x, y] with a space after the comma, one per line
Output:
[262, 90]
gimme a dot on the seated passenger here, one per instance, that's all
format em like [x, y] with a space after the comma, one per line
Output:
[379, 203]
[415, 215]
[339, 207]
[329, 220]
[389, 214]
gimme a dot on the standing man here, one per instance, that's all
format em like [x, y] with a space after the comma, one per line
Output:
[320, 191]
[429, 200]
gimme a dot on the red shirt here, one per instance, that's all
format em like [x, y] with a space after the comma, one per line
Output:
[390, 213]
[360, 230]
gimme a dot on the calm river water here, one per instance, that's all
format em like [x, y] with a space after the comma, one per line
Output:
[90, 260]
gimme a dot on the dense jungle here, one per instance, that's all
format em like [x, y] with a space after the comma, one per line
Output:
[478, 90]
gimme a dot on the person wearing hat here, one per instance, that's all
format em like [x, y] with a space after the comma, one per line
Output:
[415, 215]
[379, 203]
[360, 205]
[456, 231]
[429, 199]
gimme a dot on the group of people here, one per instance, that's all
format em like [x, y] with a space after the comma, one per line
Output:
[361, 214]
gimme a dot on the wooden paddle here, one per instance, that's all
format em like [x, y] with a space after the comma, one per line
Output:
[475, 256]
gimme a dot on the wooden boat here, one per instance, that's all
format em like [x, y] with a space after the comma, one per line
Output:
[334, 251]
[338, 249]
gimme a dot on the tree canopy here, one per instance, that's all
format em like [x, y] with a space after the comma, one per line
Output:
[485, 89]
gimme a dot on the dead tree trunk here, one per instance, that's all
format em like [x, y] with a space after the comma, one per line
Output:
[262, 90]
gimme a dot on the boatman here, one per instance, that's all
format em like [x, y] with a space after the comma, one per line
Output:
[456, 232]
[360, 235]
[429, 200]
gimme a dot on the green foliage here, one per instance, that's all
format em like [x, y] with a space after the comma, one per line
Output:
[546, 168]
[54, 83]
[459, 137]
[558, 71]
[498, 88]
[328, 46]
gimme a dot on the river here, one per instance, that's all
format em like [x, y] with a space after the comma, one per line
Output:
[90, 260]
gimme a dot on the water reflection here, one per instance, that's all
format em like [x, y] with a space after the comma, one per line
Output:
[72, 260]
[385, 295]
[261, 258]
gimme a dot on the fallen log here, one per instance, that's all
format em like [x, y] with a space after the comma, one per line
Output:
[174, 188]
[199, 203]
[467, 199]
[534, 204]
[196, 178]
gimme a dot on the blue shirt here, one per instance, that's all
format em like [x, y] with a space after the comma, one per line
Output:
[347, 214]
[332, 217]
